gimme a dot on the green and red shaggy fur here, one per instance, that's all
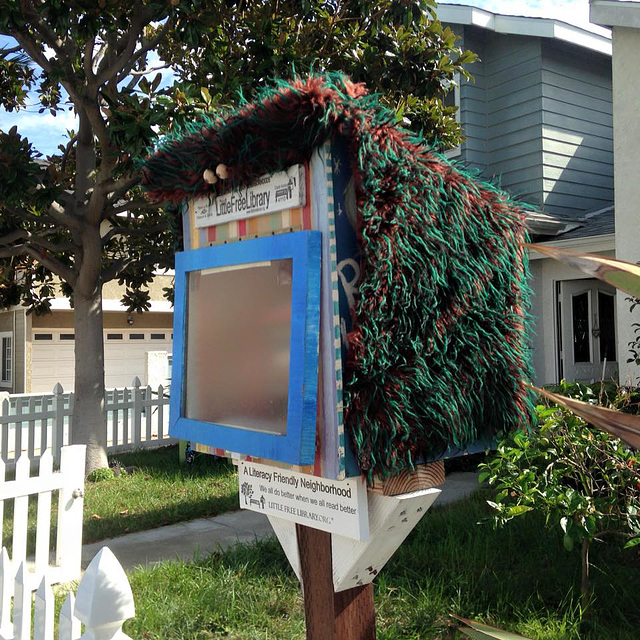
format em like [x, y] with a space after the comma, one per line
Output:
[438, 355]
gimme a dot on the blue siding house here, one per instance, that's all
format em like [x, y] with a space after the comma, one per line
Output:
[538, 120]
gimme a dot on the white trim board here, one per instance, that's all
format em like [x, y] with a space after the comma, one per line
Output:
[608, 13]
[524, 26]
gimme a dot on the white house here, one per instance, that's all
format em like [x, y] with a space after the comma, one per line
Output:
[624, 20]
[38, 351]
[539, 118]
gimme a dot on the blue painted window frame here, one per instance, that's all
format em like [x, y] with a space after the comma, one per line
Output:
[297, 446]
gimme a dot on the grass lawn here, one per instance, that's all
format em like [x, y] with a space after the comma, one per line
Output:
[519, 578]
[162, 491]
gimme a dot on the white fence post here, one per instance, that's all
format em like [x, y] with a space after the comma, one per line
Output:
[57, 428]
[22, 605]
[43, 522]
[20, 513]
[68, 624]
[70, 503]
[137, 411]
[43, 614]
[104, 601]
[6, 593]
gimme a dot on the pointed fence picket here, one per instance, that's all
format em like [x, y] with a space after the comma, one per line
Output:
[137, 417]
[103, 603]
[69, 482]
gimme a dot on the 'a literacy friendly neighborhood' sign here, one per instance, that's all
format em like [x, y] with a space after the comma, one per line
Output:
[269, 193]
[337, 506]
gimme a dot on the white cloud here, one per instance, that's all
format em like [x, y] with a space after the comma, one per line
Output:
[44, 130]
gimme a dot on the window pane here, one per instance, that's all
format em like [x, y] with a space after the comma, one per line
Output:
[607, 327]
[6, 353]
[114, 336]
[157, 336]
[238, 332]
[67, 336]
[136, 336]
[43, 336]
[581, 335]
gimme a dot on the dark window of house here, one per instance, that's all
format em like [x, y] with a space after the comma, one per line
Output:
[114, 336]
[607, 327]
[67, 336]
[136, 336]
[43, 336]
[157, 336]
[581, 335]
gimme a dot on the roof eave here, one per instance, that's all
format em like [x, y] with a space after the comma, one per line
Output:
[525, 26]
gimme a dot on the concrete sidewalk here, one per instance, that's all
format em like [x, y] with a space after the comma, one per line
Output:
[204, 536]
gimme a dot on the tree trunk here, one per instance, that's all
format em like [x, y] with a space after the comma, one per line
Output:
[89, 416]
[585, 584]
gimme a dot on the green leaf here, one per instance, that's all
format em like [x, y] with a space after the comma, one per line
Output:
[567, 541]
[621, 425]
[632, 543]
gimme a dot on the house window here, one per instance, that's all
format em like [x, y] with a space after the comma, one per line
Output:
[157, 336]
[43, 336]
[136, 336]
[606, 320]
[580, 310]
[114, 336]
[6, 358]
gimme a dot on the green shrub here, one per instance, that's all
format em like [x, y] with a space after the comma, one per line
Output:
[98, 475]
[583, 479]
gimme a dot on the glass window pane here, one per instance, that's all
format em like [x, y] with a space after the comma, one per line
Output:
[6, 359]
[606, 323]
[581, 334]
[238, 333]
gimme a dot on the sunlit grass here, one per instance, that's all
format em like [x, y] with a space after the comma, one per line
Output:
[519, 578]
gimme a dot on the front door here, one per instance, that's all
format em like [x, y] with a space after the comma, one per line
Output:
[588, 341]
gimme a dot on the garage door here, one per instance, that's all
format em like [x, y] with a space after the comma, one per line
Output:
[125, 356]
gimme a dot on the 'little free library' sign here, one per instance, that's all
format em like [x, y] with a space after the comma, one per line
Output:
[336, 506]
[269, 193]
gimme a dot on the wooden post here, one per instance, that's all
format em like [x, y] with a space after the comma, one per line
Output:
[346, 615]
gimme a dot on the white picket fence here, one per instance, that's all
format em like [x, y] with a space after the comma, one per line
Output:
[62, 563]
[104, 600]
[103, 603]
[137, 417]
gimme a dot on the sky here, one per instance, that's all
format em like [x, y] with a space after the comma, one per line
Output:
[46, 132]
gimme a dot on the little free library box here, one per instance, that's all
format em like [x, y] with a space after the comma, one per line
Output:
[349, 304]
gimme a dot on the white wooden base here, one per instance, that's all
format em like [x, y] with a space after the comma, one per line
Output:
[355, 563]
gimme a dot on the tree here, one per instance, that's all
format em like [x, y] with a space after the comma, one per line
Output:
[77, 219]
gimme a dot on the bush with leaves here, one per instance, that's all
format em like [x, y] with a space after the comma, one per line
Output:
[583, 479]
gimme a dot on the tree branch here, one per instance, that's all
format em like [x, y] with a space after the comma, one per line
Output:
[41, 241]
[139, 19]
[119, 265]
[144, 49]
[119, 187]
[55, 266]
[61, 216]
[133, 231]
[127, 206]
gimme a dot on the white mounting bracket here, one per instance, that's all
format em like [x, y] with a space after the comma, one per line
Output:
[355, 563]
